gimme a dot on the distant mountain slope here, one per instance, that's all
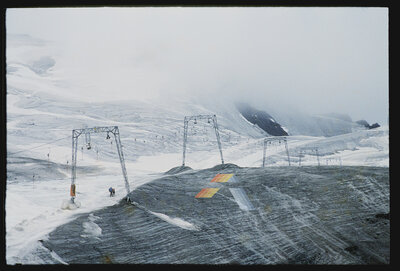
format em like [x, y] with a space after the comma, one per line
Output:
[262, 119]
[281, 121]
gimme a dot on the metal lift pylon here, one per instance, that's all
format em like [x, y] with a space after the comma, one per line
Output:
[271, 139]
[209, 118]
[304, 151]
[87, 131]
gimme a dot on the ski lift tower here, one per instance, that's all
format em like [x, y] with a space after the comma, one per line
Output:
[87, 131]
[307, 150]
[209, 118]
[278, 139]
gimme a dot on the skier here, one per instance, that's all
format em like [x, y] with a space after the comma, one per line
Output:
[112, 191]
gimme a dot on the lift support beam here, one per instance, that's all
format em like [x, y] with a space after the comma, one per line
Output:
[275, 138]
[304, 151]
[87, 131]
[209, 118]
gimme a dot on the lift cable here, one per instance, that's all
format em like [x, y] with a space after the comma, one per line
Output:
[39, 145]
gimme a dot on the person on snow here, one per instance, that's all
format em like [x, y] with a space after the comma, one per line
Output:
[112, 191]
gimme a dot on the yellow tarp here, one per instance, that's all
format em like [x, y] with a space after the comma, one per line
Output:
[207, 192]
[221, 178]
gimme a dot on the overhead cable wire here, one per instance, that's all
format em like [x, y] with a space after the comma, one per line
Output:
[40, 145]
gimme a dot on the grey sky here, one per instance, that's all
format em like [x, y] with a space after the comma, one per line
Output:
[317, 59]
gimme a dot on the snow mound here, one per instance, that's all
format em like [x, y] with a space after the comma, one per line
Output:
[68, 205]
[90, 228]
[176, 221]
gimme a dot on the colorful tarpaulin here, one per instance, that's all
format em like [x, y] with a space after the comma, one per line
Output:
[207, 192]
[221, 178]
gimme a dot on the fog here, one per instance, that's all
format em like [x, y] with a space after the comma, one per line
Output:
[318, 60]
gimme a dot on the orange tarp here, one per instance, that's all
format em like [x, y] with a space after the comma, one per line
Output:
[207, 192]
[72, 192]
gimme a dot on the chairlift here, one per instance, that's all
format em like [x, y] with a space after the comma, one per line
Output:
[195, 121]
[108, 136]
[87, 139]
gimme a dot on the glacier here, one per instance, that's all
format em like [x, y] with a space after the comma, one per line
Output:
[290, 212]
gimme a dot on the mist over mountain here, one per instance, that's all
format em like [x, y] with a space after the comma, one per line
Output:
[320, 60]
[271, 115]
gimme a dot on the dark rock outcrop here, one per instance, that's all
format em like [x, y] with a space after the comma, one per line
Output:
[262, 119]
[375, 125]
[366, 124]
[363, 123]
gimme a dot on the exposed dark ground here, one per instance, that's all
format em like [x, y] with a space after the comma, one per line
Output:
[303, 215]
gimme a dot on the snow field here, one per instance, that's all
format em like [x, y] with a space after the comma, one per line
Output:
[33, 209]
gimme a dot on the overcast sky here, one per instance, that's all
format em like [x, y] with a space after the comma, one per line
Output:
[317, 59]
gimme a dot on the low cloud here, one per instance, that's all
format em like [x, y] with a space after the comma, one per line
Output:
[316, 59]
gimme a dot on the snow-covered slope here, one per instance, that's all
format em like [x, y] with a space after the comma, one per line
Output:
[43, 108]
